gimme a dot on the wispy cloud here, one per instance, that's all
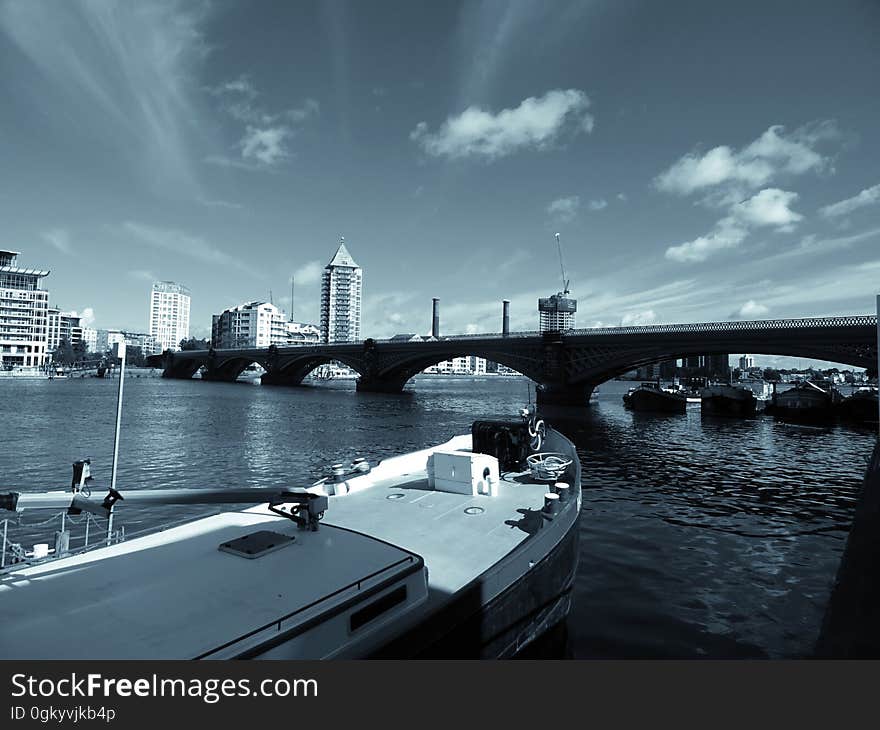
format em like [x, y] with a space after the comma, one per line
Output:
[598, 204]
[638, 318]
[185, 244]
[264, 140]
[142, 275]
[564, 210]
[868, 196]
[220, 204]
[60, 239]
[537, 123]
[309, 273]
[769, 207]
[123, 71]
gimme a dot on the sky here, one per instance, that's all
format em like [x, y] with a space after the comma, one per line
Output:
[700, 161]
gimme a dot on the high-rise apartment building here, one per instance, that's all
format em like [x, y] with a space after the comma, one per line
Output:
[341, 289]
[169, 314]
[23, 314]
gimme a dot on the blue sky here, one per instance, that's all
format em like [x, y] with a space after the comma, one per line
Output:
[701, 161]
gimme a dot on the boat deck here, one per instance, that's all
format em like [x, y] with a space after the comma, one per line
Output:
[175, 594]
[455, 545]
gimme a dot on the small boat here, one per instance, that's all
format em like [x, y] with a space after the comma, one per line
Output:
[465, 549]
[721, 399]
[805, 401]
[652, 397]
[861, 406]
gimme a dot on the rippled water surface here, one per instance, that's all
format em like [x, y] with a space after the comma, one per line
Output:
[699, 537]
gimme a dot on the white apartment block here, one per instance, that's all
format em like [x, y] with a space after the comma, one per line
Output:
[255, 324]
[23, 314]
[341, 289]
[62, 326]
[169, 314]
[465, 365]
[105, 339]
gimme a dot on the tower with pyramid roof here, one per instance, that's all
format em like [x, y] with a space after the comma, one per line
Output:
[341, 298]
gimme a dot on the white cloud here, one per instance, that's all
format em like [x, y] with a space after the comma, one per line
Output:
[868, 196]
[750, 310]
[87, 316]
[727, 234]
[265, 145]
[638, 318]
[184, 244]
[772, 154]
[564, 209]
[768, 208]
[59, 238]
[598, 204]
[536, 123]
[309, 273]
[622, 197]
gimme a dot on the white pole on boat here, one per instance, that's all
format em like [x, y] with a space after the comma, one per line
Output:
[119, 347]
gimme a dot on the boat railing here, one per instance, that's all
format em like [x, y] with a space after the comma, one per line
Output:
[13, 554]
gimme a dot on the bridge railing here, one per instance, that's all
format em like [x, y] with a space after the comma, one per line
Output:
[735, 325]
[683, 328]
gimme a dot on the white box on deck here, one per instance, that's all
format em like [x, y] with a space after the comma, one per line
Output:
[463, 472]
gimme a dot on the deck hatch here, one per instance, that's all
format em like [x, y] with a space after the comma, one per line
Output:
[377, 608]
[257, 544]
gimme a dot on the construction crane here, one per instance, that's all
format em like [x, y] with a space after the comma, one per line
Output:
[561, 266]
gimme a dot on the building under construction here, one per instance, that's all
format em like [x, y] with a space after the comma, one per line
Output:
[556, 312]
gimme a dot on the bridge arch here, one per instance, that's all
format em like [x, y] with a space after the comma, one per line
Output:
[292, 369]
[405, 368]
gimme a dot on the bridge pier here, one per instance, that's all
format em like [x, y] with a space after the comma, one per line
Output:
[219, 376]
[563, 401]
[279, 378]
[367, 384]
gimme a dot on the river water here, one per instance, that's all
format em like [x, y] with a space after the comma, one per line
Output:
[699, 537]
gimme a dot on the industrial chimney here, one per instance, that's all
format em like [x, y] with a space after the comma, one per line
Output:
[435, 321]
[505, 318]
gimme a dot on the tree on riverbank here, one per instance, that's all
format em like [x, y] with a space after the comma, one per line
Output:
[194, 343]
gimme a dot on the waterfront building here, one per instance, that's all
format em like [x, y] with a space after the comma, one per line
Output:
[300, 333]
[105, 339]
[23, 314]
[341, 289]
[169, 314]
[254, 324]
[556, 313]
[62, 326]
[90, 338]
[465, 365]
[746, 362]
